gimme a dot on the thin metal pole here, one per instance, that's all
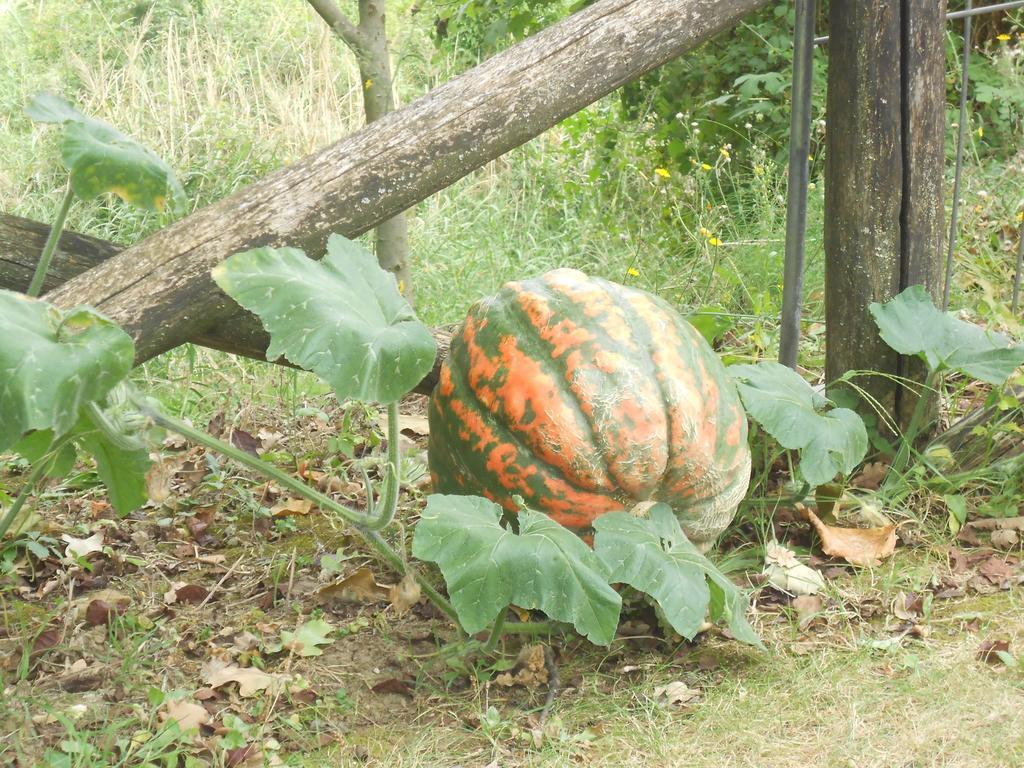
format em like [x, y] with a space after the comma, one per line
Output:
[1020, 267]
[799, 158]
[964, 14]
[965, 79]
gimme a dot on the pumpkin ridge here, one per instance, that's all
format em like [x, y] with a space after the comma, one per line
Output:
[637, 353]
[532, 343]
[547, 480]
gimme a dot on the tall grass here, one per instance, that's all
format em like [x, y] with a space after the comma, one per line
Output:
[229, 90]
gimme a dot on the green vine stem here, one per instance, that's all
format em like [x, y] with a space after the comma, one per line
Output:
[357, 519]
[50, 248]
[38, 470]
[388, 504]
[917, 423]
[496, 631]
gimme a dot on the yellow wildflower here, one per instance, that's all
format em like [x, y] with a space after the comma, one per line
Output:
[714, 241]
[663, 172]
[705, 232]
[724, 152]
[633, 272]
[759, 170]
[1020, 215]
[705, 166]
[368, 84]
[981, 131]
[1004, 37]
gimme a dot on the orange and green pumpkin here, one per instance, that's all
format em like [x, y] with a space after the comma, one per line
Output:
[583, 396]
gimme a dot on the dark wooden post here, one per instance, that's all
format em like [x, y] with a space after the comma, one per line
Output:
[883, 179]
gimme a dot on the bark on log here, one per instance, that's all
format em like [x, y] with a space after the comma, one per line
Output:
[22, 240]
[160, 290]
[21, 243]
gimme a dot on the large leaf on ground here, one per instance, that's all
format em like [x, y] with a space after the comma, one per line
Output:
[102, 159]
[912, 325]
[122, 469]
[342, 318]
[488, 567]
[778, 399]
[652, 554]
[52, 363]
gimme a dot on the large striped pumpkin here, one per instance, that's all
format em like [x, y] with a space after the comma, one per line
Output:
[583, 396]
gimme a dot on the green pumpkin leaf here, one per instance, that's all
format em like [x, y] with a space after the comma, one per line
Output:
[52, 363]
[776, 397]
[711, 322]
[487, 567]
[342, 318]
[123, 471]
[102, 159]
[912, 325]
[653, 555]
[35, 445]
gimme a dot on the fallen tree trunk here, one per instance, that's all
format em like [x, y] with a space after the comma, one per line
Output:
[22, 240]
[160, 290]
[21, 243]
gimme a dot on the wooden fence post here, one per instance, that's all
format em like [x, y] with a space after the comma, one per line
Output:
[883, 179]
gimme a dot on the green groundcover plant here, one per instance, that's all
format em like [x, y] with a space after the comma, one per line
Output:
[64, 389]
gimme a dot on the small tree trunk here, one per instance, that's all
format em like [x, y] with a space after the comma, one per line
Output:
[369, 42]
[378, 99]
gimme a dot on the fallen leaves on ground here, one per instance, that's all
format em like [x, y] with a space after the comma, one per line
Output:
[675, 694]
[808, 608]
[871, 476]
[180, 592]
[291, 507]
[529, 670]
[187, 714]
[359, 587]
[77, 548]
[405, 594]
[787, 573]
[995, 651]
[858, 546]
[251, 681]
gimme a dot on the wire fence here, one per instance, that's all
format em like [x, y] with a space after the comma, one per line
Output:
[804, 43]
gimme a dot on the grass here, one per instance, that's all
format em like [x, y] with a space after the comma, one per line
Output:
[243, 88]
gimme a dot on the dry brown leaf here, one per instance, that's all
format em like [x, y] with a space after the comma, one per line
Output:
[529, 670]
[989, 650]
[997, 523]
[808, 608]
[675, 693]
[360, 587]
[858, 546]
[100, 612]
[418, 426]
[996, 570]
[269, 439]
[187, 714]
[908, 606]
[405, 594]
[410, 425]
[871, 476]
[159, 476]
[1005, 538]
[250, 680]
[83, 547]
[292, 507]
[395, 686]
